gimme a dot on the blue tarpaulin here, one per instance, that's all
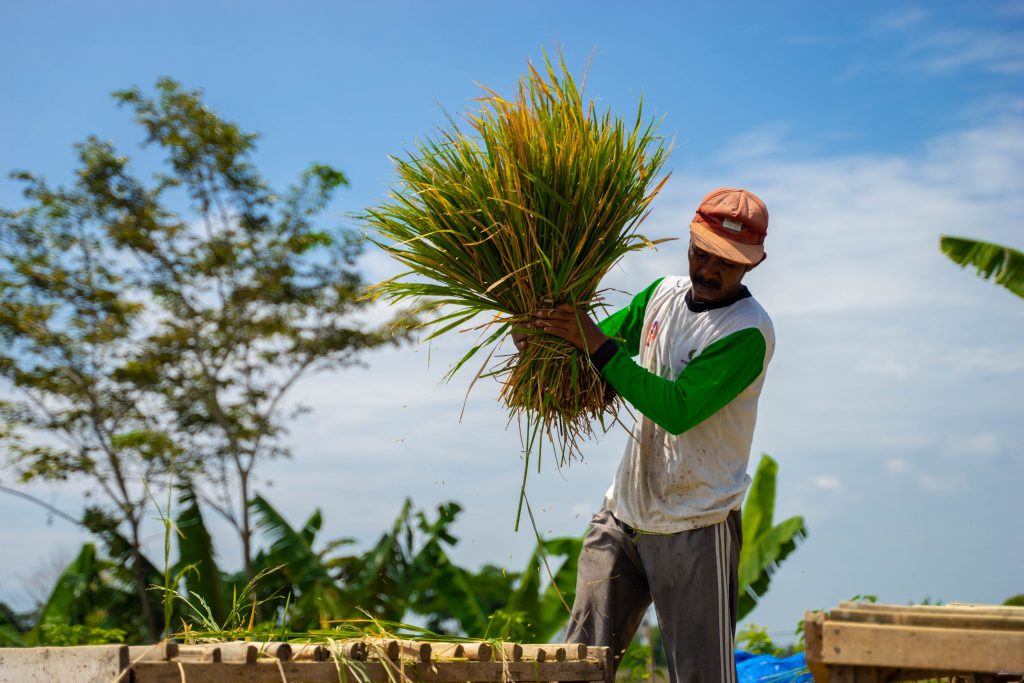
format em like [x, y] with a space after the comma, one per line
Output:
[768, 669]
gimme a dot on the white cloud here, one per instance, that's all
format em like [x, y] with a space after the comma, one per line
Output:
[897, 466]
[900, 19]
[952, 50]
[924, 479]
[912, 41]
[983, 445]
[827, 482]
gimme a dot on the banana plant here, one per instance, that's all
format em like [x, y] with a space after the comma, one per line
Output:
[496, 603]
[197, 563]
[765, 545]
[92, 594]
[1000, 263]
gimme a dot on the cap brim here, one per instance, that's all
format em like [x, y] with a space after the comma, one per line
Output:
[706, 239]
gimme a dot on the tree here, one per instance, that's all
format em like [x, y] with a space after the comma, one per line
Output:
[1003, 264]
[145, 325]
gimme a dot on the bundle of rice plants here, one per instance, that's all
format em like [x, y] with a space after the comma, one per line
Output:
[526, 209]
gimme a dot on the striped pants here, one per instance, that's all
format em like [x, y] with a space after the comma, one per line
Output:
[691, 578]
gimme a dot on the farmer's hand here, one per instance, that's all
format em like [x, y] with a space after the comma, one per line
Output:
[521, 339]
[573, 325]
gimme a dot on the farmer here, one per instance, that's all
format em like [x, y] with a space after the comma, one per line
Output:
[689, 353]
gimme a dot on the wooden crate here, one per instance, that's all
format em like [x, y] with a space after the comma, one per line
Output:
[864, 642]
[364, 661]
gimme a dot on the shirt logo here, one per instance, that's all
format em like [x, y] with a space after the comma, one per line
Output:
[652, 332]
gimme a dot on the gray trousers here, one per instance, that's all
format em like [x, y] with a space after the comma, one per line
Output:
[691, 578]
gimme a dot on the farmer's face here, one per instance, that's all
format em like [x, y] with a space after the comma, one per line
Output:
[714, 278]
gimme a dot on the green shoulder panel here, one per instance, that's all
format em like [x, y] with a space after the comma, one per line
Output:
[711, 380]
[626, 325]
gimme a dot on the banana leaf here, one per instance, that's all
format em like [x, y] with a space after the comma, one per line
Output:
[1002, 264]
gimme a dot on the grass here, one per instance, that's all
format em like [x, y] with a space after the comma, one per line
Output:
[526, 208]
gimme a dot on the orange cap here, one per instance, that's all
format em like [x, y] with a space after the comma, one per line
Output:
[731, 224]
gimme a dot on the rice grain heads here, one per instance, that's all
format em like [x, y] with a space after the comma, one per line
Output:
[526, 208]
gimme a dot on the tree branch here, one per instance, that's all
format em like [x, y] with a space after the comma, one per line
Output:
[43, 503]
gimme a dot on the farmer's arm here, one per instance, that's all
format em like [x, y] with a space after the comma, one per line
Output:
[712, 379]
[626, 325]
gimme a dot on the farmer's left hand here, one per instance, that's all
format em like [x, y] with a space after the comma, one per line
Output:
[573, 325]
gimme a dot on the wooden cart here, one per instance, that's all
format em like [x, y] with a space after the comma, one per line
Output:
[869, 643]
[362, 661]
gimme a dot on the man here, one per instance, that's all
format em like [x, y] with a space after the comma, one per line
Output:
[669, 530]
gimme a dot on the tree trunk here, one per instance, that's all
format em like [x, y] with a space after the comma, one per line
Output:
[246, 526]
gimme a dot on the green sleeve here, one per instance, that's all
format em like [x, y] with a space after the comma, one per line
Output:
[626, 324]
[712, 379]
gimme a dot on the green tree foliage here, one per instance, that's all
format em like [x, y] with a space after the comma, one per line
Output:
[406, 571]
[1002, 264]
[765, 545]
[145, 323]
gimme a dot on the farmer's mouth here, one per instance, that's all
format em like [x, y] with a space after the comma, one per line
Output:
[707, 284]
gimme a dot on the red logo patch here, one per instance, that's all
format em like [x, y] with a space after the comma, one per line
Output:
[652, 332]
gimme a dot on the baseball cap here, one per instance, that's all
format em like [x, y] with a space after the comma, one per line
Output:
[731, 224]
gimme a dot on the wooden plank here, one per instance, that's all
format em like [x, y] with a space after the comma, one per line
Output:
[939, 620]
[310, 652]
[239, 653]
[572, 650]
[200, 653]
[544, 653]
[480, 652]
[380, 648]
[82, 664]
[813, 622]
[417, 650]
[327, 672]
[274, 649]
[474, 652]
[963, 608]
[915, 647]
[449, 651]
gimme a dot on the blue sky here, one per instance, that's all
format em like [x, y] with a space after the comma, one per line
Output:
[893, 403]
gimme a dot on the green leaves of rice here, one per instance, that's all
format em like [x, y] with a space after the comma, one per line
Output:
[527, 209]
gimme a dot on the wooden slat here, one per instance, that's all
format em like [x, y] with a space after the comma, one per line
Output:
[310, 652]
[914, 647]
[327, 672]
[274, 649]
[479, 652]
[380, 648]
[161, 651]
[449, 650]
[417, 650]
[239, 653]
[544, 653]
[200, 653]
[572, 650]
[936, 619]
[962, 608]
[513, 652]
[813, 622]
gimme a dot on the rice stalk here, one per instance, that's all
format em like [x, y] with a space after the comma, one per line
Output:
[525, 208]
